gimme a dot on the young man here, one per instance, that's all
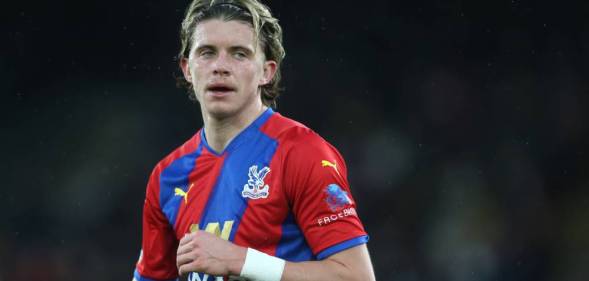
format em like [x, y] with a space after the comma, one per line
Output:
[253, 195]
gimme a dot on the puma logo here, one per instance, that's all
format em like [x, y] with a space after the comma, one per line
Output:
[326, 163]
[179, 192]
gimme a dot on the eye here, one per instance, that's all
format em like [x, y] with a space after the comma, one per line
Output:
[207, 53]
[240, 55]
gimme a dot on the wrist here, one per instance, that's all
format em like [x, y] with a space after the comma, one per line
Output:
[238, 260]
[262, 267]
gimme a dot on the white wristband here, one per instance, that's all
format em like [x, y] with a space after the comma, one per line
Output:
[259, 266]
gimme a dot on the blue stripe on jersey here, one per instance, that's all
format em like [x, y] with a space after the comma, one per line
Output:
[342, 246]
[241, 137]
[226, 202]
[176, 176]
[138, 277]
[292, 245]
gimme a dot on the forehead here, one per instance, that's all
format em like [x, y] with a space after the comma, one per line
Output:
[221, 33]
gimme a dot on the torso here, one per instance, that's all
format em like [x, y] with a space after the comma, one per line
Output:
[236, 194]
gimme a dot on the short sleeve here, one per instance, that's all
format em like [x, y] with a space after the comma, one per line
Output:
[315, 179]
[157, 260]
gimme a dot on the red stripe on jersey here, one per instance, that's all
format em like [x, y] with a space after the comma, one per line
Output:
[305, 180]
[278, 124]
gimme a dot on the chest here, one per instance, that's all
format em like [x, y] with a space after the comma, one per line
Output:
[229, 195]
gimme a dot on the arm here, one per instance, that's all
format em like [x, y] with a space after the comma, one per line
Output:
[157, 259]
[204, 252]
[350, 264]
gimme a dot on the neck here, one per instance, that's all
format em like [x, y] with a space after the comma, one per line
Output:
[221, 131]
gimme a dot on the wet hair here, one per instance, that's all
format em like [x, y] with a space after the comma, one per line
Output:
[267, 34]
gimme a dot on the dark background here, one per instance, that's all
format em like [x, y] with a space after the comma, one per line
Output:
[464, 125]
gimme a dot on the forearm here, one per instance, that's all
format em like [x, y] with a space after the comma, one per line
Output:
[352, 264]
[348, 265]
[316, 270]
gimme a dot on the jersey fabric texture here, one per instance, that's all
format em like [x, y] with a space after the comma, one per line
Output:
[278, 187]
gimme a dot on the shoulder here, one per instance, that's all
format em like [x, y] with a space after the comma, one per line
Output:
[189, 146]
[299, 144]
[292, 134]
[153, 185]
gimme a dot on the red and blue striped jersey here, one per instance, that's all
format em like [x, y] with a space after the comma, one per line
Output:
[278, 187]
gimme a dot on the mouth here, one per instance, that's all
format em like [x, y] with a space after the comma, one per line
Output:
[219, 89]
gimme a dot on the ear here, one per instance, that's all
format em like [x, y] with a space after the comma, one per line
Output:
[185, 69]
[269, 71]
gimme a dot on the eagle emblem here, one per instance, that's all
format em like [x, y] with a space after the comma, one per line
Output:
[255, 188]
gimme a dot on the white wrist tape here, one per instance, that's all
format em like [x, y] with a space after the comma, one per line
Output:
[259, 266]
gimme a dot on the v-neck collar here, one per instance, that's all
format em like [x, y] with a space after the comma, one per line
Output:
[241, 136]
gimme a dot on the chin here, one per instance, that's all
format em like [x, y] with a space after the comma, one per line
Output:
[220, 111]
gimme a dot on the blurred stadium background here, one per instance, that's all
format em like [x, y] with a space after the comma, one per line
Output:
[464, 125]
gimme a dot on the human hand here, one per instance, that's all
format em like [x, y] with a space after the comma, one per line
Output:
[206, 253]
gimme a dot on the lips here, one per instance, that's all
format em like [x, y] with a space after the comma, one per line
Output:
[219, 88]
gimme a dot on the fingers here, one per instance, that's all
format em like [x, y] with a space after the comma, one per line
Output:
[184, 269]
[186, 248]
[185, 259]
[188, 262]
[183, 254]
[187, 238]
[189, 256]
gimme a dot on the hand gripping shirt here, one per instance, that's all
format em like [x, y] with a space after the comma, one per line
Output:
[278, 187]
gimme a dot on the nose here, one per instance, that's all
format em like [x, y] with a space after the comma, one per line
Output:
[221, 65]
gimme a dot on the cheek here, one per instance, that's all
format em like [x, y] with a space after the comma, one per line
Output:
[252, 75]
[197, 71]
[196, 77]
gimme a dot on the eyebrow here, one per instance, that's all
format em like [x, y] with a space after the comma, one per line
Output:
[204, 47]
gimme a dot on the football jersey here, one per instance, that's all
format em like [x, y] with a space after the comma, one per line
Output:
[278, 187]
